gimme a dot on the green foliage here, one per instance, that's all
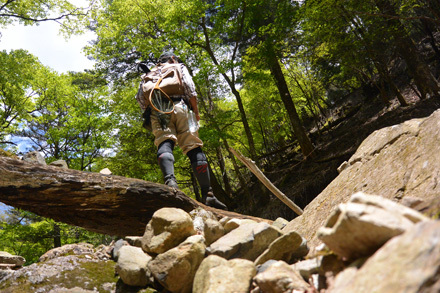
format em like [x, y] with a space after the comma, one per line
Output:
[30, 236]
[31, 12]
[71, 120]
[16, 74]
[89, 275]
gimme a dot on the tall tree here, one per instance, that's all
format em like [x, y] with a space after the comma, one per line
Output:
[16, 75]
[272, 23]
[71, 121]
[425, 81]
[131, 30]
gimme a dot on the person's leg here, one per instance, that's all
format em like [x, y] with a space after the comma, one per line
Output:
[165, 159]
[199, 165]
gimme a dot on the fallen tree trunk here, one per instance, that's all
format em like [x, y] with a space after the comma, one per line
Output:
[107, 204]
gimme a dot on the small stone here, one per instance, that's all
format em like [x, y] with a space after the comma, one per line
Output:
[60, 163]
[34, 157]
[106, 171]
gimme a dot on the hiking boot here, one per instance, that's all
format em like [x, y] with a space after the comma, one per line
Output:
[171, 182]
[211, 201]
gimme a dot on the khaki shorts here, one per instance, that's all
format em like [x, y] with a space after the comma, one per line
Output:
[177, 130]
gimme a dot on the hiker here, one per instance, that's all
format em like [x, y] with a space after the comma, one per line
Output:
[170, 126]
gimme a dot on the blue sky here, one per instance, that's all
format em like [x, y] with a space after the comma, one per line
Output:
[52, 49]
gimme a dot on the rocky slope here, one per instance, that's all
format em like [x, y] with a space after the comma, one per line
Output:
[349, 124]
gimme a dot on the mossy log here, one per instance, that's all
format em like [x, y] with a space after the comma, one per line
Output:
[107, 204]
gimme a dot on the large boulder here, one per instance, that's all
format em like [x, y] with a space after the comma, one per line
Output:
[218, 275]
[247, 241]
[394, 162]
[167, 229]
[407, 263]
[77, 270]
[176, 268]
[364, 224]
[73, 249]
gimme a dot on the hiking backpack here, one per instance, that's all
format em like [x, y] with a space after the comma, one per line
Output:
[168, 77]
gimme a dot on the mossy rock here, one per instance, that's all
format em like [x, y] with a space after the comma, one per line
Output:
[4, 153]
[82, 273]
[68, 272]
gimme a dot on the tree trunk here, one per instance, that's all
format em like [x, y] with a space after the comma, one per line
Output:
[231, 83]
[298, 129]
[221, 161]
[106, 204]
[425, 81]
[56, 235]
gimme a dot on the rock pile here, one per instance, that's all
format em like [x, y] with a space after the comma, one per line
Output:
[368, 235]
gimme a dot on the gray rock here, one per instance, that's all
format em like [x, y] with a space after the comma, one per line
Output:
[134, 240]
[224, 220]
[106, 171]
[407, 263]
[204, 214]
[60, 272]
[132, 266]
[117, 247]
[286, 247]
[365, 223]
[247, 241]
[7, 258]
[393, 162]
[175, 269]
[34, 157]
[199, 225]
[217, 275]
[60, 163]
[319, 265]
[5, 273]
[167, 228]
[280, 223]
[68, 249]
[213, 231]
[279, 277]
[235, 223]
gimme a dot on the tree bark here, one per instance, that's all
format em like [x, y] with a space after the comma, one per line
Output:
[423, 77]
[106, 204]
[235, 92]
[298, 129]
